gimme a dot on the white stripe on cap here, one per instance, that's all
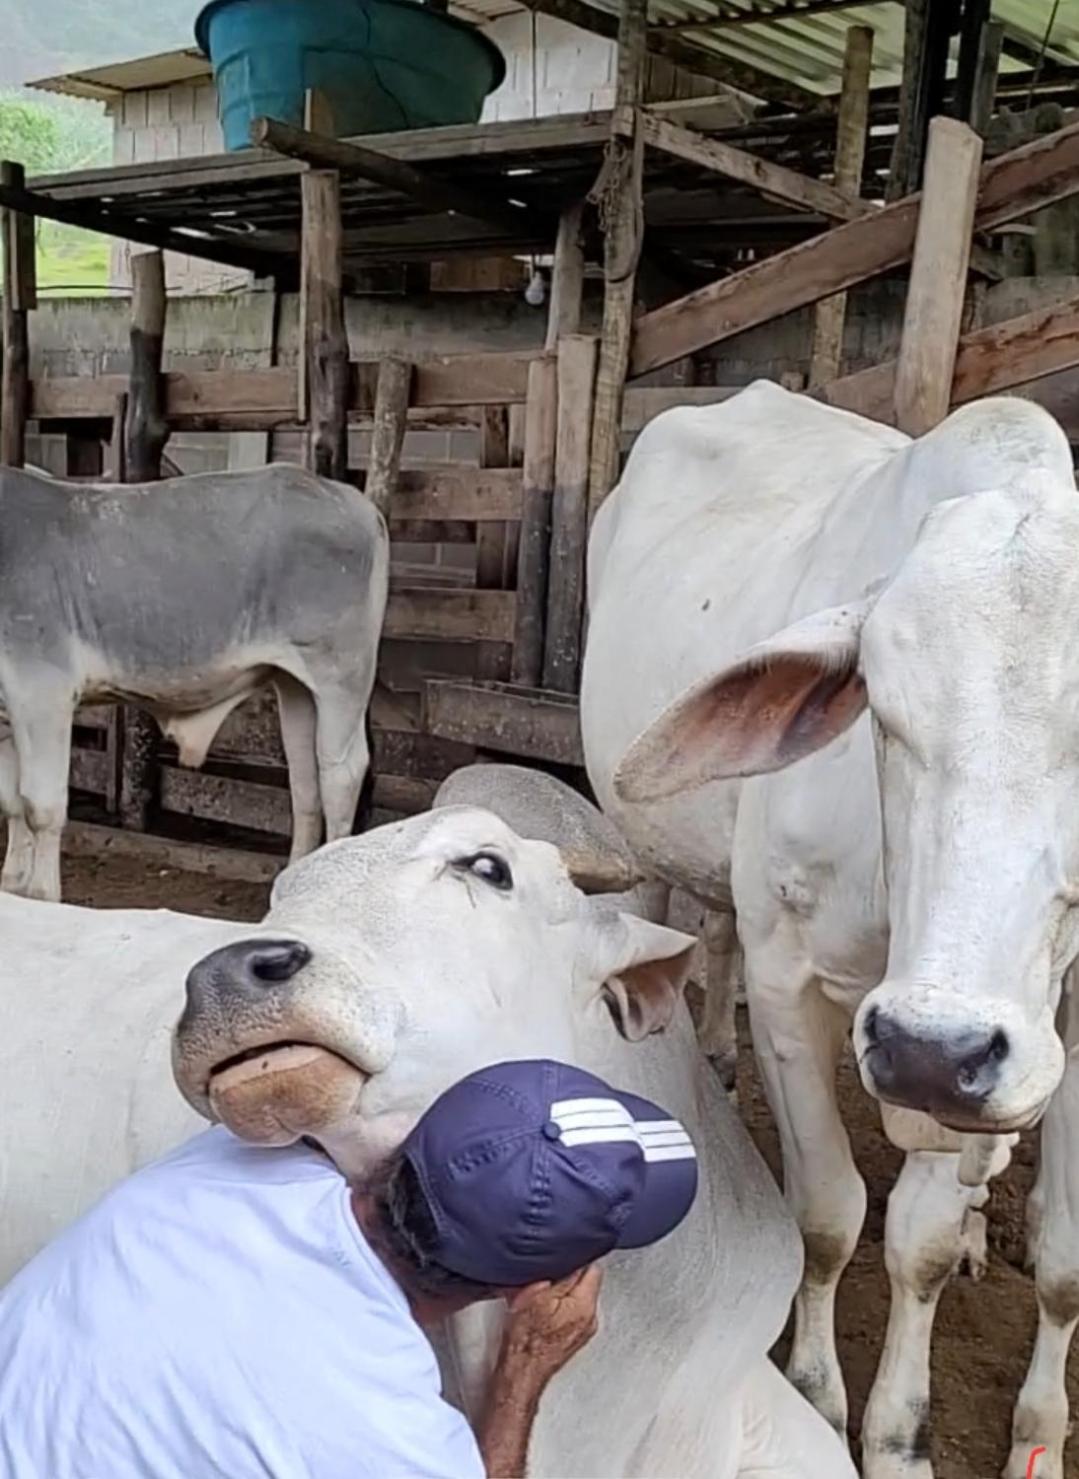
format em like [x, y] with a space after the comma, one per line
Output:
[609, 1122]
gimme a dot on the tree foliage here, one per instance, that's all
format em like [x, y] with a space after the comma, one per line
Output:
[53, 133]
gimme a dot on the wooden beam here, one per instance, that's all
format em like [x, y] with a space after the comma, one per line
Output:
[989, 361]
[147, 426]
[323, 340]
[929, 26]
[567, 278]
[986, 75]
[19, 290]
[423, 186]
[975, 19]
[534, 546]
[774, 180]
[1011, 186]
[388, 435]
[512, 720]
[851, 134]
[492, 659]
[569, 513]
[753, 16]
[453, 491]
[938, 277]
[452, 616]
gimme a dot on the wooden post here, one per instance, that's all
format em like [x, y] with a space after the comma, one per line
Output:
[492, 658]
[938, 277]
[20, 295]
[569, 513]
[388, 433]
[975, 19]
[929, 27]
[985, 76]
[851, 130]
[116, 468]
[534, 547]
[324, 342]
[621, 215]
[147, 426]
[567, 278]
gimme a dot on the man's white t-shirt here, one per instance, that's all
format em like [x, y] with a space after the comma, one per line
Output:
[220, 1314]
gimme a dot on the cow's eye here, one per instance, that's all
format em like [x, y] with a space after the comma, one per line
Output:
[491, 868]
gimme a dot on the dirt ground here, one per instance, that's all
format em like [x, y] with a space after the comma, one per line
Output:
[983, 1332]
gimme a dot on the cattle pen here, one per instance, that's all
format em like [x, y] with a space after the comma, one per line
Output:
[669, 240]
[876, 204]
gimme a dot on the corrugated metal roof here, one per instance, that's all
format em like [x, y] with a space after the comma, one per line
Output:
[806, 50]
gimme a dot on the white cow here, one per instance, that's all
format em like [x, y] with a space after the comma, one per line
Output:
[388, 966]
[883, 632]
[183, 597]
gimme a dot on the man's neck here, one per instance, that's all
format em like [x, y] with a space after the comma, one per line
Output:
[427, 1310]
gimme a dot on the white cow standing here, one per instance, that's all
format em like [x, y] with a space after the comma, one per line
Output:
[390, 965]
[882, 632]
[183, 597]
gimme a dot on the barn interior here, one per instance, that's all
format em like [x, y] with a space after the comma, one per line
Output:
[872, 203]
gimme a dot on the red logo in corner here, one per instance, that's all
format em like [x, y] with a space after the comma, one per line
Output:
[1035, 1455]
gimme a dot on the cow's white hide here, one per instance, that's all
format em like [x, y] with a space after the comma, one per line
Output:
[765, 569]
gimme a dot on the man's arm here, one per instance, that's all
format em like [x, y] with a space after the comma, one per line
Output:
[546, 1326]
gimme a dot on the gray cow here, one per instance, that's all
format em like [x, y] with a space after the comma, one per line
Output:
[183, 597]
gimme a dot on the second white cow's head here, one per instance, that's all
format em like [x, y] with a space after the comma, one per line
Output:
[968, 662]
[393, 964]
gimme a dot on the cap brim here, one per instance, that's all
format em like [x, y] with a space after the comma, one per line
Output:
[671, 1174]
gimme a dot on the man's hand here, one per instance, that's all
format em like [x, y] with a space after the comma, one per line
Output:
[549, 1323]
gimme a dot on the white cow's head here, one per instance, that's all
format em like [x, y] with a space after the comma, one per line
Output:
[391, 965]
[969, 664]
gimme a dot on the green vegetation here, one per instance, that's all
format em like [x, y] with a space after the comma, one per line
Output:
[51, 134]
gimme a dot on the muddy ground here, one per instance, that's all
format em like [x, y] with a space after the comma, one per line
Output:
[984, 1330]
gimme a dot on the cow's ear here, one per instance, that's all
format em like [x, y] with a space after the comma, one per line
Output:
[643, 967]
[784, 699]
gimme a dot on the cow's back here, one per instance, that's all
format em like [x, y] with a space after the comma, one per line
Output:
[161, 577]
[88, 999]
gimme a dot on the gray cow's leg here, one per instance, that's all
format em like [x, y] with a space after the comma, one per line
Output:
[934, 1223]
[296, 708]
[343, 757]
[19, 858]
[719, 1032]
[42, 735]
[798, 1036]
[1041, 1414]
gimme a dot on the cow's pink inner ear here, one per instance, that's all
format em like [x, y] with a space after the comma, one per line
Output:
[643, 997]
[756, 717]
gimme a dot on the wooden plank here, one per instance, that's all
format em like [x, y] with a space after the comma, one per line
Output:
[88, 840]
[986, 73]
[492, 658]
[567, 278]
[323, 341]
[526, 722]
[388, 436]
[851, 133]
[975, 19]
[569, 513]
[938, 278]
[450, 615]
[18, 292]
[989, 361]
[773, 180]
[351, 158]
[930, 25]
[541, 413]
[1011, 186]
[147, 428]
[455, 491]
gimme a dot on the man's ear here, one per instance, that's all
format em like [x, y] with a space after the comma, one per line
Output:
[642, 968]
[781, 701]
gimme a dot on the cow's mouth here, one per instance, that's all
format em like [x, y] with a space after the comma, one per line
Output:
[275, 1092]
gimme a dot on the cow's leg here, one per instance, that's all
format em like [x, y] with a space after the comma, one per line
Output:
[719, 1037]
[343, 758]
[19, 857]
[1041, 1413]
[798, 1036]
[42, 736]
[296, 708]
[783, 1437]
[933, 1223]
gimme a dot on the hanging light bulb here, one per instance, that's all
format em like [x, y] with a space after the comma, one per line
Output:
[536, 291]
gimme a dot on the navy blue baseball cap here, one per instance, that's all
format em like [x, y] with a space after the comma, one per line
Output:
[531, 1170]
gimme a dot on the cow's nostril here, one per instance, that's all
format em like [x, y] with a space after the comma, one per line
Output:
[999, 1046]
[871, 1026]
[274, 963]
